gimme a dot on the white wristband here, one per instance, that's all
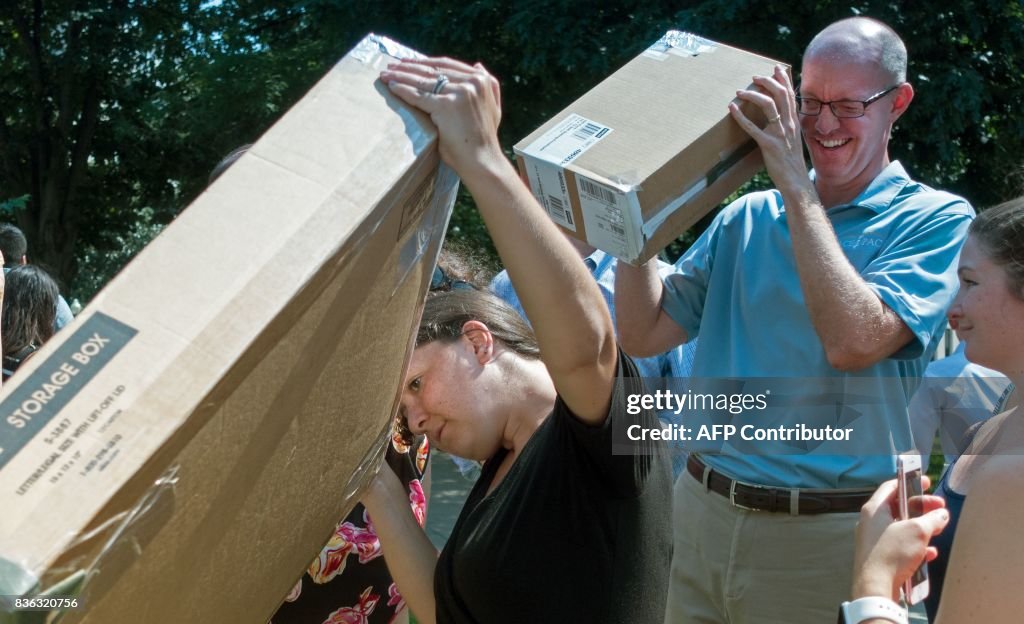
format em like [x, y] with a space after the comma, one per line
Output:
[872, 607]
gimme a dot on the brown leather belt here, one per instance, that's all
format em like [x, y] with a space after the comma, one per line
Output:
[774, 499]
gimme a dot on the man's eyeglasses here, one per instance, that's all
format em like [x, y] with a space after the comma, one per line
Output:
[846, 109]
[442, 282]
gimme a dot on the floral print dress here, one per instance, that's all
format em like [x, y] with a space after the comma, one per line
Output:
[348, 582]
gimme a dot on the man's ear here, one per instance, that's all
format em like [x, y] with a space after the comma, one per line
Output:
[900, 103]
[480, 337]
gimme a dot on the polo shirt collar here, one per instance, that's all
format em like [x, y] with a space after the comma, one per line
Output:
[878, 195]
[598, 262]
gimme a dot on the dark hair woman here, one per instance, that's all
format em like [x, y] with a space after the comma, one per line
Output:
[30, 300]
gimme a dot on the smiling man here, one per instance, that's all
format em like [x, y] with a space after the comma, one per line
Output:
[833, 285]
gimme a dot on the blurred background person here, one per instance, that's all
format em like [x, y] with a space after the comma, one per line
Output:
[14, 246]
[29, 307]
[954, 396]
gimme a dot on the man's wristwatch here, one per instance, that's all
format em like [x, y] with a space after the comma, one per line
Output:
[869, 608]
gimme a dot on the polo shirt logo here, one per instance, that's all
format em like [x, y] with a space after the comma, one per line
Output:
[874, 242]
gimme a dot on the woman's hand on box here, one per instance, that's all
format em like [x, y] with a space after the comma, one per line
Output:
[463, 101]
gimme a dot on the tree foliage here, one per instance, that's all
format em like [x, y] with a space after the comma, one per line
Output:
[114, 112]
[81, 100]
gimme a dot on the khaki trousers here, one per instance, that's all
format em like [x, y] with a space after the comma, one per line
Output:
[736, 566]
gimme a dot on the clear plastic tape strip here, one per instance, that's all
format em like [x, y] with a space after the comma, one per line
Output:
[16, 579]
[132, 517]
[722, 167]
[372, 47]
[688, 43]
[370, 463]
[377, 51]
[623, 181]
[435, 220]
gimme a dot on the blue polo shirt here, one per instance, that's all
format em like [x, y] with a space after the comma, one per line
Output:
[903, 238]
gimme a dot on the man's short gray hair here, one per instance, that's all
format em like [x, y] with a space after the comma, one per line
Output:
[853, 36]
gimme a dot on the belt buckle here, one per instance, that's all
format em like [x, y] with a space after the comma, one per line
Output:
[732, 497]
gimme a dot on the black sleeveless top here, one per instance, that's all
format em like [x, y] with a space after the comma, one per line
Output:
[573, 533]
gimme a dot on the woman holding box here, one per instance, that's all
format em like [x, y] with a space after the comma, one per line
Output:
[557, 528]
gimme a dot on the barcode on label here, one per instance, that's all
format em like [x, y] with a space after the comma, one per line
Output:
[558, 210]
[617, 229]
[596, 191]
[586, 131]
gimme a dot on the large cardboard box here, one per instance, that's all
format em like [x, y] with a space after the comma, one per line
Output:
[189, 443]
[642, 156]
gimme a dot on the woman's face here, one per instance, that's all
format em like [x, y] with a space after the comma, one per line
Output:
[446, 397]
[986, 314]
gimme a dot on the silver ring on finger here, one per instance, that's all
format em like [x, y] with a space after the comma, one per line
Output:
[774, 119]
[442, 80]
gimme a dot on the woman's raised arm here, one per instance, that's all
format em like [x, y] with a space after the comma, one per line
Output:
[564, 304]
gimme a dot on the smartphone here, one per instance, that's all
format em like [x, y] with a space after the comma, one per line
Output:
[908, 482]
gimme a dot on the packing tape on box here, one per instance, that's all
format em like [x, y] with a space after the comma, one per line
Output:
[679, 43]
[368, 466]
[16, 580]
[374, 46]
[683, 42]
[128, 531]
[728, 160]
[445, 189]
[622, 181]
[627, 184]
[377, 51]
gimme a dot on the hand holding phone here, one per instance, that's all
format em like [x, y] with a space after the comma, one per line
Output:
[908, 483]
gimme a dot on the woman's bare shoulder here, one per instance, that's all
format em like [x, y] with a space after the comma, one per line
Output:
[986, 565]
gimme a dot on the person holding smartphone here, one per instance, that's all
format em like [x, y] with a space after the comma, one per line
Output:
[981, 553]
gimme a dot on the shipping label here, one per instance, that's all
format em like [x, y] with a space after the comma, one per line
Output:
[547, 157]
[608, 217]
[567, 140]
[547, 182]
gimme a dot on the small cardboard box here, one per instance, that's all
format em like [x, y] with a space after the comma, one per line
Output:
[642, 156]
[189, 443]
